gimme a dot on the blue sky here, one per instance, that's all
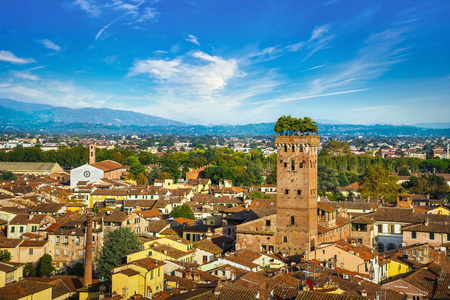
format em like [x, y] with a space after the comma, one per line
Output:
[232, 62]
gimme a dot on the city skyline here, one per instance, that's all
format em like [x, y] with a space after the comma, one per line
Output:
[228, 62]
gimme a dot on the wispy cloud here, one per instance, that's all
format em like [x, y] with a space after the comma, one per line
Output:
[89, 6]
[319, 40]
[7, 56]
[191, 38]
[25, 75]
[50, 45]
[297, 97]
[105, 27]
[314, 68]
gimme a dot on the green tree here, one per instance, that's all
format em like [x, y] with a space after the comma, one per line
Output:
[136, 169]
[259, 195]
[44, 266]
[29, 270]
[5, 255]
[142, 179]
[77, 269]
[117, 245]
[379, 184]
[403, 171]
[183, 211]
[272, 178]
[327, 179]
[343, 180]
[8, 176]
[282, 125]
[132, 160]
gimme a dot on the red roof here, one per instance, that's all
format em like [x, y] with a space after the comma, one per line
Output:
[107, 165]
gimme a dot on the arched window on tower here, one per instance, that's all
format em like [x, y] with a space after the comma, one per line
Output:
[292, 220]
[285, 148]
[293, 165]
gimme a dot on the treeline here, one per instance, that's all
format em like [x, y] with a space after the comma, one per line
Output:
[243, 169]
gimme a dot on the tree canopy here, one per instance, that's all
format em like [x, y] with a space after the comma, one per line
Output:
[117, 245]
[183, 211]
[287, 125]
[379, 184]
[44, 266]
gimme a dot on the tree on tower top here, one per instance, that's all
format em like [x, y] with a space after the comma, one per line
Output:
[287, 125]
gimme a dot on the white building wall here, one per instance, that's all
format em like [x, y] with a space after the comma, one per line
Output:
[85, 173]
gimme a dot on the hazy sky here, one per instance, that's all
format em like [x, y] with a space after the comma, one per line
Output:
[234, 62]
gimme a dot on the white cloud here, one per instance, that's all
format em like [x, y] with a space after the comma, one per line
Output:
[191, 38]
[53, 92]
[318, 32]
[50, 45]
[198, 72]
[105, 27]
[314, 68]
[11, 58]
[148, 13]
[25, 75]
[319, 40]
[88, 6]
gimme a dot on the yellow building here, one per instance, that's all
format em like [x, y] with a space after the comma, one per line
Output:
[26, 290]
[10, 272]
[143, 276]
[396, 267]
[439, 210]
[162, 252]
[100, 195]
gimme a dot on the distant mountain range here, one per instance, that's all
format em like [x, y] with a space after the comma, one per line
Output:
[14, 112]
[31, 117]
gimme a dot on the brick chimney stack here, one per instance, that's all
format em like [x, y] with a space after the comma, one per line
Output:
[88, 252]
[91, 154]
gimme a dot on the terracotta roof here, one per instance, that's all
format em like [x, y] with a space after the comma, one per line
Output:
[325, 207]
[9, 243]
[169, 251]
[26, 219]
[324, 296]
[31, 243]
[209, 246]
[147, 263]
[128, 272]
[107, 165]
[51, 207]
[22, 289]
[148, 213]
[241, 261]
[182, 221]
[428, 227]
[115, 217]
[139, 203]
[157, 225]
[8, 267]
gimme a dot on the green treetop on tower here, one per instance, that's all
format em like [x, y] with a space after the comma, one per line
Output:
[295, 126]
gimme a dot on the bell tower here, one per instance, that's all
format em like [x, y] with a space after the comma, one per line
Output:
[91, 154]
[296, 193]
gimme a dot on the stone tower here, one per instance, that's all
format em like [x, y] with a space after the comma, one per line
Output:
[91, 154]
[296, 193]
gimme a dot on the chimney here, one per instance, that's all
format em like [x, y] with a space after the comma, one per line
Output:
[88, 253]
[91, 154]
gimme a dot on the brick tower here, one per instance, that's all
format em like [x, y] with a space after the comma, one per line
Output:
[88, 251]
[91, 154]
[296, 193]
